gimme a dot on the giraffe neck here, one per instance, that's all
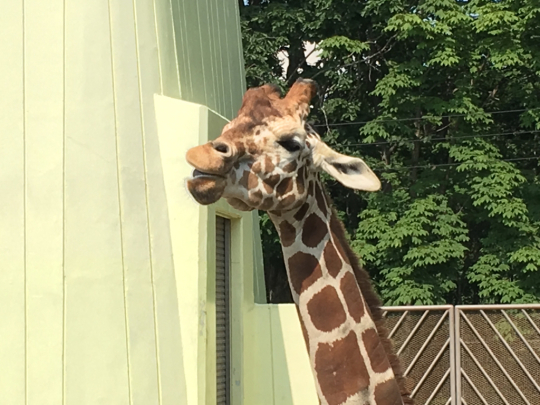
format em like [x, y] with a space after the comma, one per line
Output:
[349, 362]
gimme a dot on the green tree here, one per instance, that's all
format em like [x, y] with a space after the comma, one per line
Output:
[442, 99]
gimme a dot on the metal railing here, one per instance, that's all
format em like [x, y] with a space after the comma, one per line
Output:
[469, 354]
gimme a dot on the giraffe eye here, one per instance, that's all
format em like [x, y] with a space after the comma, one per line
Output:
[290, 144]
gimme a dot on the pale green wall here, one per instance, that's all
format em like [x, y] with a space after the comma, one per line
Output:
[88, 299]
[106, 277]
[280, 346]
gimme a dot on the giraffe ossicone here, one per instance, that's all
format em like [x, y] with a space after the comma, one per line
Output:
[269, 158]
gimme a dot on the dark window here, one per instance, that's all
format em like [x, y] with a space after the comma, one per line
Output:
[223, 248]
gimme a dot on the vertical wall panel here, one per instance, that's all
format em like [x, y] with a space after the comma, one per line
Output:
[193, 48]
[235, 65]
[95, 348]
[240, 76]
[181, 34]
[217, 50]
[203, 8]
[184, 222]
[169, 354]
[12, 201]
[212, 31]
[170, 79]
[226, 59]
[148, 61]
[210, 61]
[44, 59]
[172, 389]
[139, 297]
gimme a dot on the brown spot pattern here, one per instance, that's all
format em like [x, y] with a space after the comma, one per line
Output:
[388, 393]
[340, 369]
[300, 180]
[244, 180]
[267, 188]
[325, 310]
[253, 181]
[268, 165]
[314, 231]
[332, 260]
[272, 180]
[287, 233]
[301, 212]
[377, 355]
[351, 292]
[257, 167]
[267, 203]
[285, 186]
[287, 201]
[304, 270]
[256, 197]
[290, 167]
[321, 201]
[297, 204]
[251, 147]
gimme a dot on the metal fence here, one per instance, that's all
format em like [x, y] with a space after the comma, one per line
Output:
[469, 354]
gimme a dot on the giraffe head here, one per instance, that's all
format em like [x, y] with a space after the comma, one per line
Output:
[265, 157]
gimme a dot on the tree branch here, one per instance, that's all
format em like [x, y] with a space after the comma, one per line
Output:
[386, 48]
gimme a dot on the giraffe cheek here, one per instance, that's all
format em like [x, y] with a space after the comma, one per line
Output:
[239, 204]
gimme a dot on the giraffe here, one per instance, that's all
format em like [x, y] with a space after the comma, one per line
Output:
[269, 158]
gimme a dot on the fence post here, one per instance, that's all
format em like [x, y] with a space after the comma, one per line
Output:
[455, 357]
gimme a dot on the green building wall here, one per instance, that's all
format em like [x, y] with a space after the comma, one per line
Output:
[106, 263]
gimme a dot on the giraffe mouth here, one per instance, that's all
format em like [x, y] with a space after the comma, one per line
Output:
[199, 173]
[205, 187]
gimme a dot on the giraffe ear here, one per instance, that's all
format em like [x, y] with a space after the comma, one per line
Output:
[350, 171]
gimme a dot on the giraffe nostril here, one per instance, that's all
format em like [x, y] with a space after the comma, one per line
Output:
[220, 147]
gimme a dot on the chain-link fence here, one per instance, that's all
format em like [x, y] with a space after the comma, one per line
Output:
[470, 355]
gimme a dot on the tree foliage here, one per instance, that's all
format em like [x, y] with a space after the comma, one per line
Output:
[442, 99]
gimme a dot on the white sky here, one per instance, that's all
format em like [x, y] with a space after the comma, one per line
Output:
[311, 60]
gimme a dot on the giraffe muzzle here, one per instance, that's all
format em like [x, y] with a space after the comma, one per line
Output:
[206, 188]
[212, 163]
